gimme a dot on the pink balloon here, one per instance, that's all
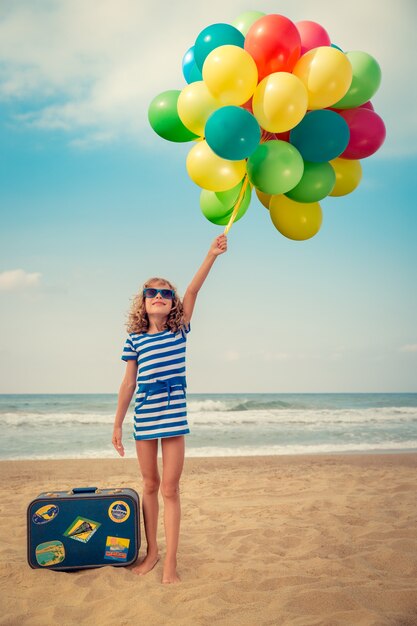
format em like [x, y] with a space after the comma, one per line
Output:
[312, 35]
[367, 133]
[367, 105]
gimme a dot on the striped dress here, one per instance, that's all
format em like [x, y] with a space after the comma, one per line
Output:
[160, 402]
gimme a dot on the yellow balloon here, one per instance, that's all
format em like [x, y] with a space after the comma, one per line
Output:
[264, 198]
[195, 104]
[230, 74]
[348, 176]
[209, 171]
[295, 220]
[280, 102]
[327, 75]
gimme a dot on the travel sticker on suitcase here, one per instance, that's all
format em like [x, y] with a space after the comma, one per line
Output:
[119, 511]
[50, 553]
[45, 514]
[116, 548]
[81, 529]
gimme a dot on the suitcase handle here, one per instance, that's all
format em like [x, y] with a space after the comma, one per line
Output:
[84, 490]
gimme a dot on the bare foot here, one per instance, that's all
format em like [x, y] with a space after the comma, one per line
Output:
[146, 565]
[170, 572]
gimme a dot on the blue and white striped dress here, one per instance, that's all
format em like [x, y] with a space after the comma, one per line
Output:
[160, 403]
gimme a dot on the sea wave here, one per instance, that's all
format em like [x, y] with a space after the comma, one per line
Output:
[19, 419]
[238, 404]
[224, 417]
[307, 416]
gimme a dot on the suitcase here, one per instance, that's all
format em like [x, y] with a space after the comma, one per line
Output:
[82, 528]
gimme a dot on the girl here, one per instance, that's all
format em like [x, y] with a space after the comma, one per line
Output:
[155, 355]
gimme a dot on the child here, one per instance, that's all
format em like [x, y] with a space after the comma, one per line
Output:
[158, 325]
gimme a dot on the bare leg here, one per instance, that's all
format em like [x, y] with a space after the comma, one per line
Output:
[147, 451]
[173, 462]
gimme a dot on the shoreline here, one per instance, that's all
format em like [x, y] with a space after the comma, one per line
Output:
[346, 453]
[402, 458]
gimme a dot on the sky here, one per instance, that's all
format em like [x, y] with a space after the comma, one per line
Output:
[93, 203]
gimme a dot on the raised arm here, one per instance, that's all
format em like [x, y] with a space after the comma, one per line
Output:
[218, 246]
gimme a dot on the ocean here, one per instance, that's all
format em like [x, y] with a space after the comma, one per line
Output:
[58, 426]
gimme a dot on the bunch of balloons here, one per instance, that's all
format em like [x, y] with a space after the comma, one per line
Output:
[274, 105]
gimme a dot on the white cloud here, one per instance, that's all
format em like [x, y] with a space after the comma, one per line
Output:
[18, 280]
[93, 67]
[411, 347]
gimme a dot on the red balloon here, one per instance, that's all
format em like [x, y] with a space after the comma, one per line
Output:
[283, 136]
[248, 106]
[274, 43]
[367, 132]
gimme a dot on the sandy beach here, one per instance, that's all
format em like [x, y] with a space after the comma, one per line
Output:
[284, 540]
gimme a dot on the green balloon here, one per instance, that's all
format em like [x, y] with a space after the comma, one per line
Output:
[316, 183]
[366, 78]
[164, 119]
[245, 21]
[217, 206]
[275, 167]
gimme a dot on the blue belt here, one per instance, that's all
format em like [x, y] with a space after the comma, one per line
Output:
[161, 385]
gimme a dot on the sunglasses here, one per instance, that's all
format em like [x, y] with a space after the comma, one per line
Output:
[167, 294]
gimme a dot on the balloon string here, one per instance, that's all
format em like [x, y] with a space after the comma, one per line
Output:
[237, 205]
[266, 136]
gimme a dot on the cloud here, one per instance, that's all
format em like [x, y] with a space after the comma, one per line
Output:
[91, 68]
[18, 280]
[410, 347]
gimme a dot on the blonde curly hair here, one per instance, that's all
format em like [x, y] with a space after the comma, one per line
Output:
[138, 321]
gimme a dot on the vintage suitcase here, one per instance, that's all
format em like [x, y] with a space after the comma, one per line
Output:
[84, 527]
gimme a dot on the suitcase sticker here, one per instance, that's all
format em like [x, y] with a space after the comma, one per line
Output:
[50, 553]
[116, 548]
[45, 514]
[82, 529]
[119, 511]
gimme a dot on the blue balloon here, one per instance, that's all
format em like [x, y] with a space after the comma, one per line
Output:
[232, 133]
[214, 36]
[321, 136]
[189, 68]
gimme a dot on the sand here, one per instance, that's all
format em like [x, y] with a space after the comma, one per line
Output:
[285, 540]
